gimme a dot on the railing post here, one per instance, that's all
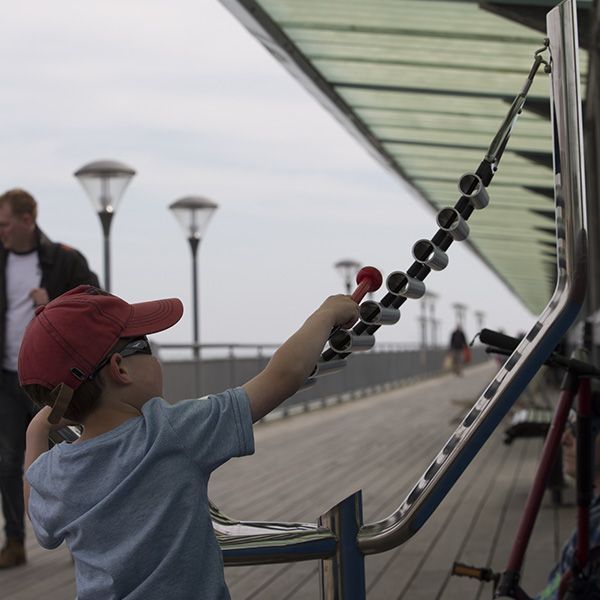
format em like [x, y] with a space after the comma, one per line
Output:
[232, 373]
[342, 577]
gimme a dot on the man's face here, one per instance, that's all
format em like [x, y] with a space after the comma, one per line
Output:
[16, 231]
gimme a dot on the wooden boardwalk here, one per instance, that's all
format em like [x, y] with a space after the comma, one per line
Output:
[382, 444]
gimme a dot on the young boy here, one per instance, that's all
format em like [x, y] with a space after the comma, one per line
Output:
[130, 496]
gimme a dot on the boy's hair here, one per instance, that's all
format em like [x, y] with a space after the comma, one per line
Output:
[20, 202]
[86, 397]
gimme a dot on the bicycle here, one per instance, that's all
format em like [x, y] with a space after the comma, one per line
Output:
[580, 581]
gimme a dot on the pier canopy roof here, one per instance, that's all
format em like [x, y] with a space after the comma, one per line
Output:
[424, 85]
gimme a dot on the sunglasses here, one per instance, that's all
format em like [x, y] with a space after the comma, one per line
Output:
[136, 346]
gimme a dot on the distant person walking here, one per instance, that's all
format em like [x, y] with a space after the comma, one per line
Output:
[458, 345]
[33, 271]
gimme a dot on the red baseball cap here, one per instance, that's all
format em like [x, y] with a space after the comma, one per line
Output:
[69, 336]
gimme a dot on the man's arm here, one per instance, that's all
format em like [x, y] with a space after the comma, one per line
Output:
[67, 269]
[82, 274]
[39, 296]
[293, 362]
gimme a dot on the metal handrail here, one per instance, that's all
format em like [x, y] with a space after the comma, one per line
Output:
[261, 542]
[381, 347]
[192, 345]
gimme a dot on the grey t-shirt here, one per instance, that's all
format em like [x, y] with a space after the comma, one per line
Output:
[132, 503]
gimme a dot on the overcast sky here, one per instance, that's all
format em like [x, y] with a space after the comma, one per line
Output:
[182, 93]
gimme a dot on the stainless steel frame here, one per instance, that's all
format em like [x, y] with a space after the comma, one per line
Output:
[348, 341]
[427, 253]
[400, 283]
[451, 221]
[471, 186]
[241, 542]
[373, 313]
[340, 540]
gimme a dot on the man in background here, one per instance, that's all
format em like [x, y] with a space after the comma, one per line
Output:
[33, 271]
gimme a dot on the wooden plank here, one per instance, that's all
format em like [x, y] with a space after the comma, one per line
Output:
[465, 519]
[416, 569]
[327, 444]
[510, 515]
[483, 529]
[433, 400]
[352, 434]
[381, 444]
[45, 572]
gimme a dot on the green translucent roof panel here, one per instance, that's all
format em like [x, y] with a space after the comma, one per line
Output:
[425, 84]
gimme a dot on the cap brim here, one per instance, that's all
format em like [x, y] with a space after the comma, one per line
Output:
[152, 317]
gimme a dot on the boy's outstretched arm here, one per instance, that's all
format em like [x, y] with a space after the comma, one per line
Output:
[293, 362]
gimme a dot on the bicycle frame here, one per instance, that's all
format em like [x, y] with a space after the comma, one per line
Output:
[574, 385]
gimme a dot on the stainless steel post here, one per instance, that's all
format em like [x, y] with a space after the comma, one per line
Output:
[343, 574]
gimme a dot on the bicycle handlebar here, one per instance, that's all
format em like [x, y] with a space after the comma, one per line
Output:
[499, 340]
[505, 344]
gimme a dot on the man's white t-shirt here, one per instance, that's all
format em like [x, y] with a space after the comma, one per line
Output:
[23, 274]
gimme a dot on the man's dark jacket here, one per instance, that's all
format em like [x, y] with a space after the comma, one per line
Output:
[63, 268]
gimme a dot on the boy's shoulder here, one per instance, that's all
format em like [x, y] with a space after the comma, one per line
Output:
[195, 410]
[233, 395]
[213, 428]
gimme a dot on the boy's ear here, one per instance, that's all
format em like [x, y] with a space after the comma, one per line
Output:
[117, 371]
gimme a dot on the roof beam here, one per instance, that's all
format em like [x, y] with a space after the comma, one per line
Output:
[533, 14]
[457, 92]
[539, 158]
[547, 214]
[548, 191]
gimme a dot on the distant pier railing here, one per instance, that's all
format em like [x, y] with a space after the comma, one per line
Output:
[223, 366]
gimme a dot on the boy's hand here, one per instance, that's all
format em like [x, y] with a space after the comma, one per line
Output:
[343, 310]
[293, 362]
[37, 441]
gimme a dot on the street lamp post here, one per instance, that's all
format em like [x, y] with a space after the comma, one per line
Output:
[431, 297]
[480, 317]
[105, 182]
[194, 213]
[348, 269]
[460, 311]
[423, 321]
